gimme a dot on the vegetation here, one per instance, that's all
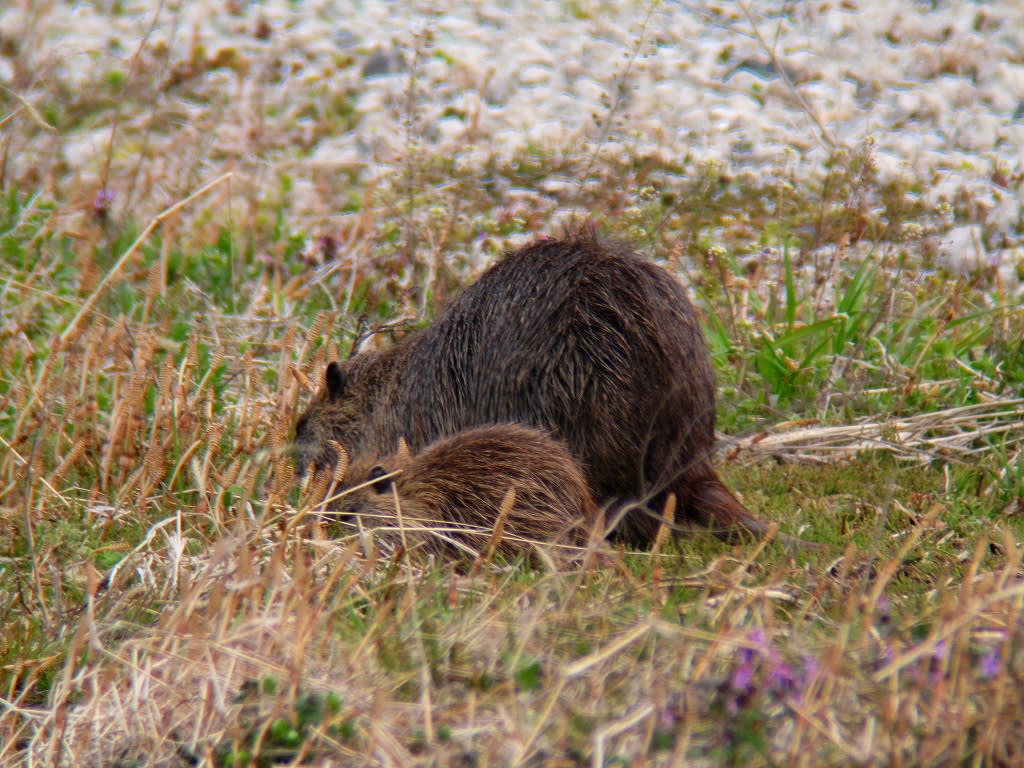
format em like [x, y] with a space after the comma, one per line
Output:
[167, 597]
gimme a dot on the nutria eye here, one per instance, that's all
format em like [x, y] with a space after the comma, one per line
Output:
[383, 485]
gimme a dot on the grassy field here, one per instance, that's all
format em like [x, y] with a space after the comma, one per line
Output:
[165, 600]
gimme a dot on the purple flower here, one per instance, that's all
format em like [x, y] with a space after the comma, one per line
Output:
[747, 655]
[808, 671]
[741, 679]
[882, 606]
[990, 665]
[327, 246]
[782, 677]
[940, 651]
[810, 667]
[101, 202]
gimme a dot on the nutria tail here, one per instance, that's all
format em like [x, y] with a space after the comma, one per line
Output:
[712, 504]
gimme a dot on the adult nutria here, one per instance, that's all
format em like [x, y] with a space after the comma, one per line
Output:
[576, 336]
[451, 494]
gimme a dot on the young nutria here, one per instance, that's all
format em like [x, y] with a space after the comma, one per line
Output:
[576, 336]
[452, 492]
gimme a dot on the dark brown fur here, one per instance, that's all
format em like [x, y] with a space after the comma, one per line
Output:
[579, 337]
[452, 491]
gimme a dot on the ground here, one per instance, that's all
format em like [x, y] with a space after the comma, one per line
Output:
[201, 204]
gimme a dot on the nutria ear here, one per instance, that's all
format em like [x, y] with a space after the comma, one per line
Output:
[383, 485]
[335, 378]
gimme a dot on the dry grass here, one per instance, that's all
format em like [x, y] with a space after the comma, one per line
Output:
[942, 435]
[380, 664]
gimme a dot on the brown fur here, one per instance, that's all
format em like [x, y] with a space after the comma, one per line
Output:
[453, 491]
[578, 337]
